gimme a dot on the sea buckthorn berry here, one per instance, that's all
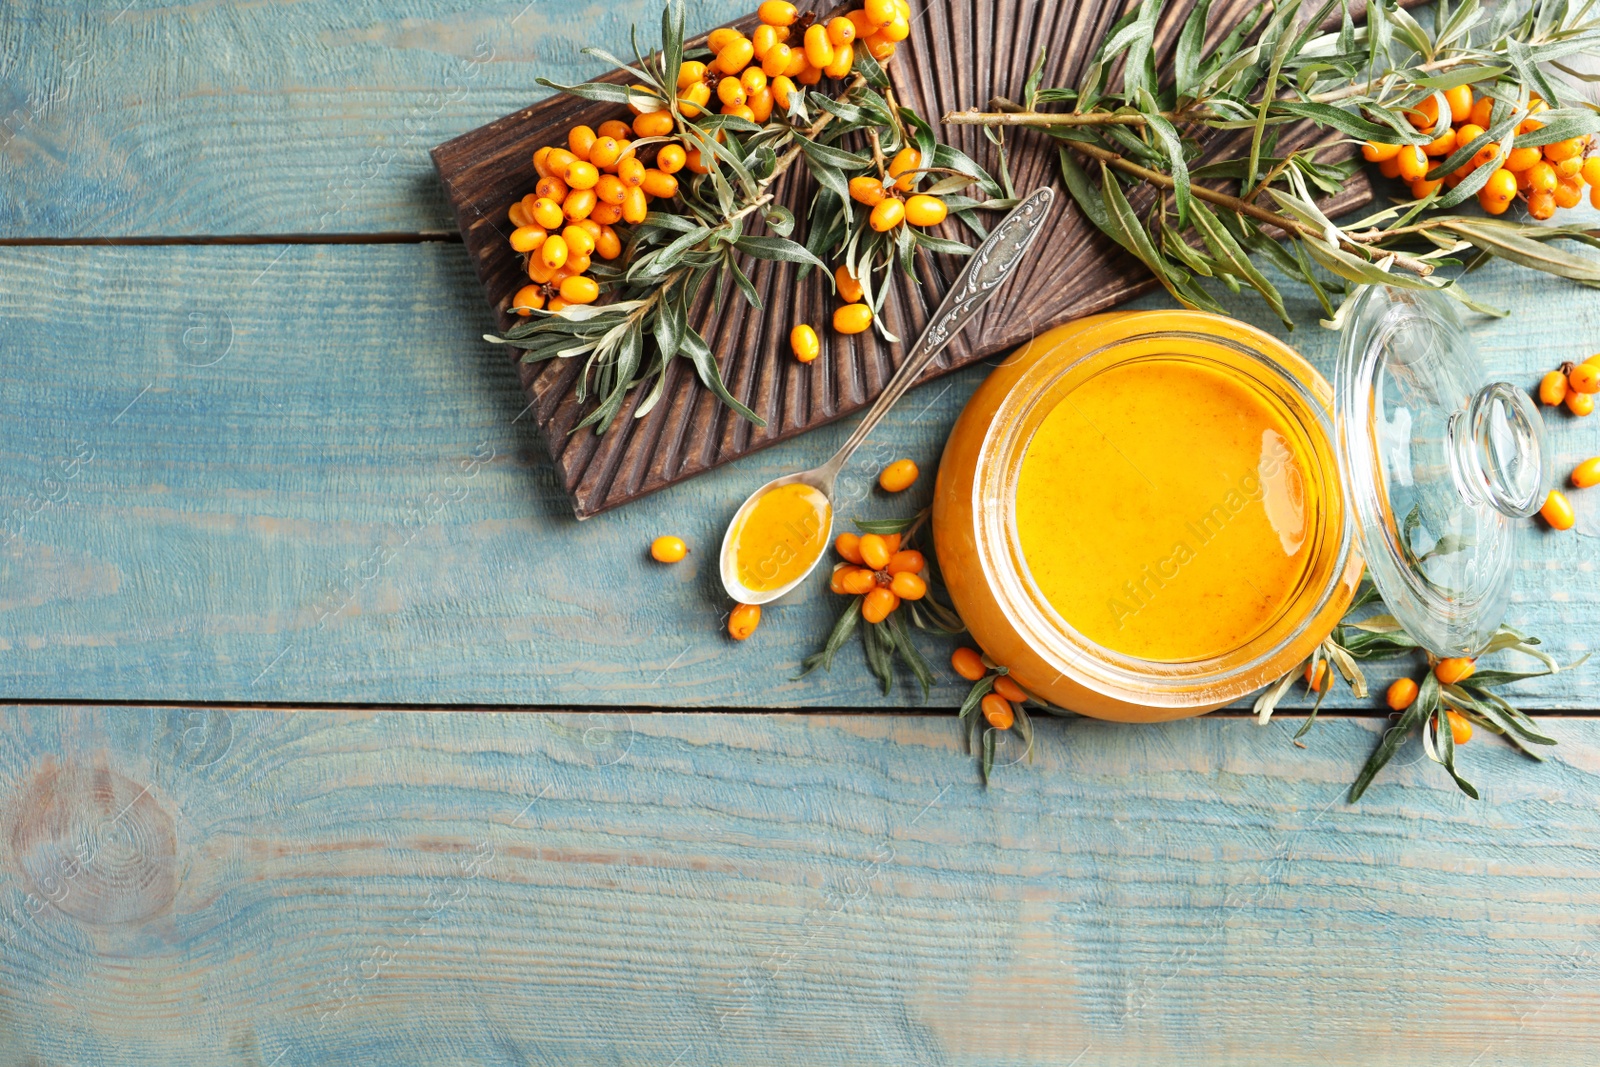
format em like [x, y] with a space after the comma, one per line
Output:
[1519, 160]
[781, 88]
[887, 215]
[721, 37]
[580, 139]
[615, 129]
[1580, 404]
[577, 264]
[1541, 178]
[1390, 168]
[630, 172]
[735, 56]
[557, 160]
[634, 206]
[671, 158]
[1316, 679]
[925, 210]
[875, 551]
[906, 561]
[762, 40]
[653, 124]
[1585, 378]
[1377, 151]
[1498, 192]
[605, 152]
[696, 163]
[841, 31]
[580, 242]
[819, 50]
[610, 190]
[1556, 151]
[898, 476]
[740, 111]
[578, 204]
[529, 296]
[1441, 145]
[879, 604]
[1568, 192]
[1553, 388]
[743, 620]
[880, 12]
[1460, 727]
[904, 7]
[730, 91]
[798, 65]
[760, 104]
[866, 190]
[541, 161]
[1402, 692]
[968, 663]
[1482, 112]
[581, 175]
[908, 586]
[608, 244]
[859, 582]
[775, 63]
[605, 214]
[997, 710]
[1460, 101]
[1424, 115]
[1541, 205]
[689, 72]
[1587, 473]
[865, 27]
[852, 318]
[527, 238]
[897, 30]
[844, 57]
[518, 215]
[556, 304]
[1413, 164]
[1010, 690]
[553, 251]
[1453, 670]
[835, 580]
[847, 285]
[658, 184]
[903, 165]
[1423, 188]
[1465, 135]
[1591, 170]
[552, 188]
[848, 545]
[580, 289]
[1570, 168]
[753, 80]
[804, 343]
[538, 272]
[642, 100]
[777, 13]
[692, 101]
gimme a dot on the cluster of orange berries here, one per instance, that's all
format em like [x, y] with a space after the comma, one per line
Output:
[1000, 703]
[1403, 693]
[1549, 176]
[584, 189]
[879, 571]
[1572, 384]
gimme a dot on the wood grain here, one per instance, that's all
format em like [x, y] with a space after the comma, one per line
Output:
[776, 889]
[215, 479]
[960, 55]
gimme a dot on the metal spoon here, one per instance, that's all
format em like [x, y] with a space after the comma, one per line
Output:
[990, 265]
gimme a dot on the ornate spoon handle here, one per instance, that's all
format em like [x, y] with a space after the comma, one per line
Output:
[990, 265]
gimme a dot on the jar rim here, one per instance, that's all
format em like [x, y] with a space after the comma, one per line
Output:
[1268, 364]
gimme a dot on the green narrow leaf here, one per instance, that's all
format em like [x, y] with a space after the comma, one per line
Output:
[1425, 704]
[705, 364]
[908, 652]
[1186, 59]
[842, 629]
[1177, 166]
[988, 754]
[778, 249]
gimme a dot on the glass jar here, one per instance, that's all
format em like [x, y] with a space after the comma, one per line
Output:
[1411, 428]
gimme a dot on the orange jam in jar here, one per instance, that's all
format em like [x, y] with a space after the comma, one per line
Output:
[1140, 514]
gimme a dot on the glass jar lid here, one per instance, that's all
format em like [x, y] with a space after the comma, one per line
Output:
[1441, 468]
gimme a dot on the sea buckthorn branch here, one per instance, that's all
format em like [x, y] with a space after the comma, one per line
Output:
[718, 172]
[1451, 112]
[1452, 697]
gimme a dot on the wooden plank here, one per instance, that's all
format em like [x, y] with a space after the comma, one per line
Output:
[311, 117]
[215, 484]
[332, 888]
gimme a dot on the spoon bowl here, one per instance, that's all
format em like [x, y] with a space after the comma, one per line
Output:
[990, 265]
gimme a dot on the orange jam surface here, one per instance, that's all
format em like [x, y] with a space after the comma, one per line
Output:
[781, 536]
[1162, 509]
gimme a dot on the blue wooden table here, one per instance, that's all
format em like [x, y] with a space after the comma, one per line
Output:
[331, 737]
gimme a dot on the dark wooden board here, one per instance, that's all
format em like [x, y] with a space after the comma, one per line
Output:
[960, 54]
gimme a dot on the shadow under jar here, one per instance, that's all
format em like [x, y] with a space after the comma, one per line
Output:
[1146, 516]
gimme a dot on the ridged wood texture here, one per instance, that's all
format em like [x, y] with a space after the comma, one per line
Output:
[959, 55]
